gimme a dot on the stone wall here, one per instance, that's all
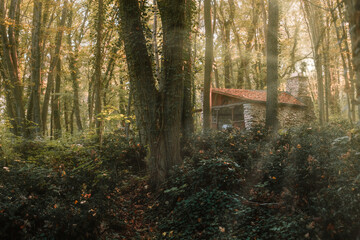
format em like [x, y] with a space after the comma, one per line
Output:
[255, 114]
[292, 116]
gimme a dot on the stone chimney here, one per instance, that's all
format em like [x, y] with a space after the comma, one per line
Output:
[298, 86]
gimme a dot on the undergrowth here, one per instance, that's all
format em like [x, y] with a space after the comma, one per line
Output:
[302, 183]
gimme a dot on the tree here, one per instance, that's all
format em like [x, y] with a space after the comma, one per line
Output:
[208, 64]
[97, 73]
[272, 66]
[159, 110]
[34, 106]
[187, 115]
[353, 9]
[74, 40]
[316, 32]
[53, 64]
[9, 42]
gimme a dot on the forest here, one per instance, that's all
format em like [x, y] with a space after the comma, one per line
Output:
[180, 119]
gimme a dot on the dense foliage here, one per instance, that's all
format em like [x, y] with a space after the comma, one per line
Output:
[63, 191]
[302, 183]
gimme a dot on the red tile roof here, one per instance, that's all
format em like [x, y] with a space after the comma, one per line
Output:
[257, 96]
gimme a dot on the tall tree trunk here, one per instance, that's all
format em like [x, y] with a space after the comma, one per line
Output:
[239, 62]
[90, 100]
[56, 103]
[142, 82]
[227, 58]
[97, 73]
[109, 73]
[9, 45]
[249, 44]
[155, 42]
[187, 119]
[195, 51]
[160, 114]
[34, 113]
[316, 32]
[8, 98]
[327, 72]
[52, 70]
[272, 66]
[208, 65]
[343, 60]
[172, 14]
[349, 63]
[74, 44]
[66, 108]
[353, 10]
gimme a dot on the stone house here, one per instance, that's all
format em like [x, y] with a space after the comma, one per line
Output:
[244, 108]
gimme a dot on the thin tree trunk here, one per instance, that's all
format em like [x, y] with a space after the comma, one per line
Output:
[66, 112]
[34, 107]
[91, 101]
[327, 78]
[195, 52]
[53, 63]
[109, 73]
[128, 112]
[187, 114]
[97, 73]
[343, 60]
[227, 58]
[316, 32]
[73, 65]
[56, 103]
[208, 65]
[155, 44]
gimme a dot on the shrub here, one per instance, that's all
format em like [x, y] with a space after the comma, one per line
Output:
[57, 191]
[301, 185]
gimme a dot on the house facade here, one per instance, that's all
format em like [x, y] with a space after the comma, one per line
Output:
[243, 108]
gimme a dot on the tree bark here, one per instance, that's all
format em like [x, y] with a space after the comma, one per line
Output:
[97, 73]
[227, 58]
[155, 43]
[172, 14]
[208, 65]
[187, 119]
[9, 46]
[56, 103]
[159, 113]
[353, 11]
[142, 82]
[34, 107]
[272, 66]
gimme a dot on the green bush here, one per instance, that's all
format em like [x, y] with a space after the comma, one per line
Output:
[302, 184]
[55, 190]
